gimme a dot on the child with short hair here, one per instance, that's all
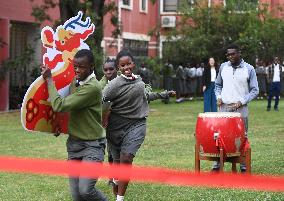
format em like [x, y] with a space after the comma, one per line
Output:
[126, 128]
[110, 72]
[86, 140]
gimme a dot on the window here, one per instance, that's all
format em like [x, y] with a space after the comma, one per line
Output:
[144, 6]
[138, 48]
[170, 5]
[241, 5]
[127, 4]
[23, 44]
[174, 5]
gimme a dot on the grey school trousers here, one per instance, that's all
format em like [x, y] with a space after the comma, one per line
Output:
[83, 189]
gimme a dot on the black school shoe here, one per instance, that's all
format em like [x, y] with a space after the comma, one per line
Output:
[215, 169]
[243, 170]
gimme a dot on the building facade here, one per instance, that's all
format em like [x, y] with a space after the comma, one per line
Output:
[19, 35]
[18, 31]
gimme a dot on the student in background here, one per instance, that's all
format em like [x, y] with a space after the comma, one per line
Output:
[261, 79]
[193, 82]
[168, 73]
[187, 84]
[199, 74]
[110, 72]
[180, 83]
[144, 73]
[274, 80]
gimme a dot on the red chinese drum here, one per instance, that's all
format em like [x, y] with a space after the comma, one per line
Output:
[215, 130]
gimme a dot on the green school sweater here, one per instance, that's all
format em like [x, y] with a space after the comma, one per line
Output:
[103, 82]
[85, 108]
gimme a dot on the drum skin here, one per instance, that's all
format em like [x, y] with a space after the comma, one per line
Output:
[229, 132]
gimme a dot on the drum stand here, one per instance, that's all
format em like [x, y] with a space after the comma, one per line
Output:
[244, 158]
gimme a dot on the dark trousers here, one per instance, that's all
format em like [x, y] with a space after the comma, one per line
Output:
[274, 90]
[210, 104]
[83, 189]
[168, 83]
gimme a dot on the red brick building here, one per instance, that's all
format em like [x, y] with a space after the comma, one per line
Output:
[17, 30]
[137, 18]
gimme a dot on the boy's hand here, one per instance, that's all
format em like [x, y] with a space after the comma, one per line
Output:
[45, 72]
[106, 110]
[105, 119]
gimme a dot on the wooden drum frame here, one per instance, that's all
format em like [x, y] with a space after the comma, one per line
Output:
[220, 136]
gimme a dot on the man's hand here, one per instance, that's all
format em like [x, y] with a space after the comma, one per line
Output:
[45, 72]
[219, 102]
[204, 88]
[238, 105]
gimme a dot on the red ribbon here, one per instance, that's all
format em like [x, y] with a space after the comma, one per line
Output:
[141, 174]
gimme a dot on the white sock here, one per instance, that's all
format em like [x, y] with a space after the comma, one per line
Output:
[119, 198]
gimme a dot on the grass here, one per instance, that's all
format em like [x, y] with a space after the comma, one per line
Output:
[169, 143]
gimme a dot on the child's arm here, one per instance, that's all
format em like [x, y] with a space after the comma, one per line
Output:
[155, 95]
[106, 106]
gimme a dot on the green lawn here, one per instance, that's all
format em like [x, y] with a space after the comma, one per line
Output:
[169, 143]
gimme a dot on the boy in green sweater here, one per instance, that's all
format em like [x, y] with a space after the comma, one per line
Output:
[86, 141]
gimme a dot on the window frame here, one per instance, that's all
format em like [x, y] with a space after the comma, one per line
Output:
[124, 6]
[141, 8]
[240, 11]
[162, 9]
[138, 48]
[171, 12]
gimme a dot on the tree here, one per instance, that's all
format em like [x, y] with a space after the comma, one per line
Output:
[95, 9]
[203, 32]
